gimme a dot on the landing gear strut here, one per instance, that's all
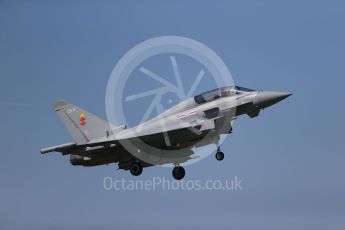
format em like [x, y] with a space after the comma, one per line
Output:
[219, 155]
[136, 168]
[178, 172]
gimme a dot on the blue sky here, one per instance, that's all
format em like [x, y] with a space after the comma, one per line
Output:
[291, 158]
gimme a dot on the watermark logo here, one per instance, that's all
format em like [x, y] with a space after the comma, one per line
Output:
[164, 184]
[168, 71]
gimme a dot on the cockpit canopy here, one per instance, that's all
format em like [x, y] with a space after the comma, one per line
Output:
[220, 92]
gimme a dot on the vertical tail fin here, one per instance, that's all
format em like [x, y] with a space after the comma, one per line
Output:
[82, 125]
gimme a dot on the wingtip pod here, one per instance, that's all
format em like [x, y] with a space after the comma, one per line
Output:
[58, 148]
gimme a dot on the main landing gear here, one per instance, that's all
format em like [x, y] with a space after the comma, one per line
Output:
[219, 154]
[178, 172]
[136, 168]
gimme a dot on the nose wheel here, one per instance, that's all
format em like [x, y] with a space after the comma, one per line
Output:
[219, 154]
[178, 172]
[136, 168]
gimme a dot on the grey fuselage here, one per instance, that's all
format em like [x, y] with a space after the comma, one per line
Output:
[226, 103]
[194, 122]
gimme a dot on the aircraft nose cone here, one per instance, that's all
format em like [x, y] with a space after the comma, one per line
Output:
[265, 99]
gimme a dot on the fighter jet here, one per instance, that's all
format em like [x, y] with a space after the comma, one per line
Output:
[168, 138]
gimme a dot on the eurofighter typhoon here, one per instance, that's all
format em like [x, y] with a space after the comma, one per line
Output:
[165, 139]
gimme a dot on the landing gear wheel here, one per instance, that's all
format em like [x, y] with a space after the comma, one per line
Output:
[220, 156]
[178, 173]
[136, 168]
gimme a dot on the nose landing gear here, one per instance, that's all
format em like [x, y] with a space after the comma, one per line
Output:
[219, 155]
